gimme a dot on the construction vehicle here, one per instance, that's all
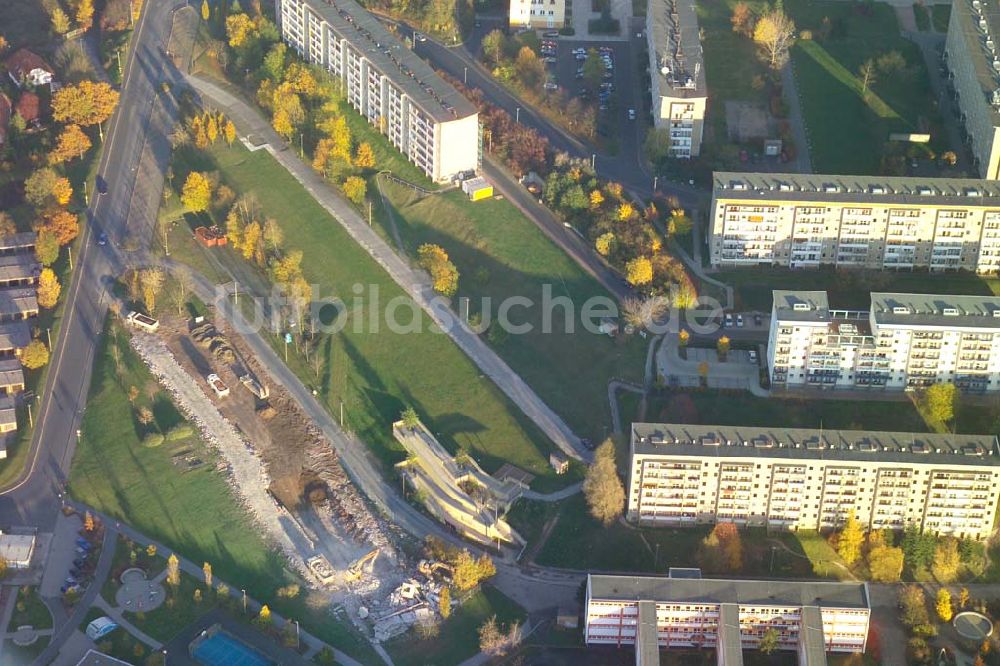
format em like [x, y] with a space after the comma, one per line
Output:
[363, 565]
[142, 321]
[255, 387]
[221, 390]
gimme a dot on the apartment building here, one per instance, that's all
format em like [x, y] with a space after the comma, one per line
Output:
[727, 615]
[677, 71]
[537, 14]
[974, 69]
[903, 342]
[792, 479]
[872, 222]
[425, 118]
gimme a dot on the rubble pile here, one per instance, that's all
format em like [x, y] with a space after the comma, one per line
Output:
[415, 600]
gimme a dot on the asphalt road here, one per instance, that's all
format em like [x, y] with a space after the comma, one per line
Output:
[34, 498]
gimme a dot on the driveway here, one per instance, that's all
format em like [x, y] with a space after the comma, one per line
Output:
[737, 372]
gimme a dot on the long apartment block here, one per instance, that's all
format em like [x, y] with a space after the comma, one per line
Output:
[729, 616]
[872, 222]
[792, 479]
[678, 88]
[423, 116]
[973, 65]
[902, 342]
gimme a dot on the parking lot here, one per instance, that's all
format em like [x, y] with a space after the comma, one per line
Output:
[566, 73]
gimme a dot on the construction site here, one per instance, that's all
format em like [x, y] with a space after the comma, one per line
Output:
[288, 477]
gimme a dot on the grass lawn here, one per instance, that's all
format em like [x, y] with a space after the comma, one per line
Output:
[528, 517]
[849, 129]
[29, 610]
[499, 254]
[847, 289]
[940, 16]
[459, 637]
[377, 374]
[119, 643]
[194, 511]
[169, 619]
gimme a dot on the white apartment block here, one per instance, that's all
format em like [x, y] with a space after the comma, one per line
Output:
[729, 616]
[792, 479]
[872, 222]
[974, 69]
[538, 14]
[423, 116]
[676, 68]
[903, 342]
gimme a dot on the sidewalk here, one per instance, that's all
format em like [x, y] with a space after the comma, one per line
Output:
[735, 373]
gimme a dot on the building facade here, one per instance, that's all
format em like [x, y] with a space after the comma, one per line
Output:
[543, 14]
[974, 70]
[792, 479]
[423, 116]
[677, 72]
[903, 342]
[872, 222]
[662, 612]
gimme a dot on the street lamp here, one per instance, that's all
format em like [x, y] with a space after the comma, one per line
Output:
[517, 115]
[244, 602]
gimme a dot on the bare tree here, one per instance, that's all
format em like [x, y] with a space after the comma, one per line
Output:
[775, 33]
[642, 312]
[151, 280]
[602, 488]
[867, 74]
[496, 642]
[182, 289]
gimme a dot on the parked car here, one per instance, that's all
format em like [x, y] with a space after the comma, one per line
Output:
[739, 321]
[550, 60]
[729, 321]
[550, 33]
[753, 356]
[758, 320]
[631, 114]
[550, 86]
[580, 57]
[102, 185]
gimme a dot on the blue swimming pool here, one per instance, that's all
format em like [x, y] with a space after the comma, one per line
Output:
[222, 649]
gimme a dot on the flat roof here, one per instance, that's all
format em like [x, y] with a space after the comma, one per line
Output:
[20, 266]
[776, 442]
[432, 94]
[647, 640]
[16, 547]
[829, 188]
[802, 306]
[825, 594]
[673, 33]
[937, 310]
[966, 17]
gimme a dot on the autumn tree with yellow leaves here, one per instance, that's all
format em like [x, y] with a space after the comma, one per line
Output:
[86, 103]
[196, 195]
[48, 288]
[435, 261]
[71, 145]
[639, 271]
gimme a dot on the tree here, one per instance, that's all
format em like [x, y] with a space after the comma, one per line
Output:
[173, 570]
[206, 568]
[949, 157]
[596, 199]
[364, 157]
[48, 288]
[496, 642]
[602, 488]
[272, 234]
[850, 539]
[7, 226]
[722, 346]
[963, 598]
[264, 617]
[530, 69]
[434, 260]
[593, 70]
[918, 548]
[196, 195]
[625, 211]
[151, 280]
[885, 563]
[45, 188]
[88, 521]
[679, 223]
[410, 418]
[35, 355]
[206, 12]
[774, 32]
[252, 247]
[62, 224]
[493, 46]
[87, 103]
[769, 639]
[468, 572]
[939, 402]
[942, 605]
[742, 19]
[145, 416]
[197, 596]
[151, 550]
[913, 606]
[355, 189]
[72, 144]
[229, 131]
[444, 602]
[683, 337]
[211, 128]
[946, 560]
[604, 242]
[285, 269]
[85, 14]
[722, 550]
[867, 74]
[60, 21]
[639, 271]
[46, 247]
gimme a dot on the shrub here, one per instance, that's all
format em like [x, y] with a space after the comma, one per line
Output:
[152, 439]
[180, 431]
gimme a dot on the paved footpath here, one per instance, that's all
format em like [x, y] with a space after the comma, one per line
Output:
[415, 283]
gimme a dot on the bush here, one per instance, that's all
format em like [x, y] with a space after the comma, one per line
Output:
[180, 431]
[152, 439]
[568, 31]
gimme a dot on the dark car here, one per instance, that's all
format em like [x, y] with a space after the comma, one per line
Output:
[102, 238]
[79, 562]
[102, 185]
[551, 33]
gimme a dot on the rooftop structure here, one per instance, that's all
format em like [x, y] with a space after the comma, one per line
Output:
[11, 375]
[16, 549]
[14, 336]
[24, 66]
[18, 270]
[18, 303]
[678, 75]
[22, 241]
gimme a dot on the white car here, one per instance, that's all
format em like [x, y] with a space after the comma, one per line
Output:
[753, 356]
[550, 86]
[729, 321]
[631, 114]
[739, 321]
